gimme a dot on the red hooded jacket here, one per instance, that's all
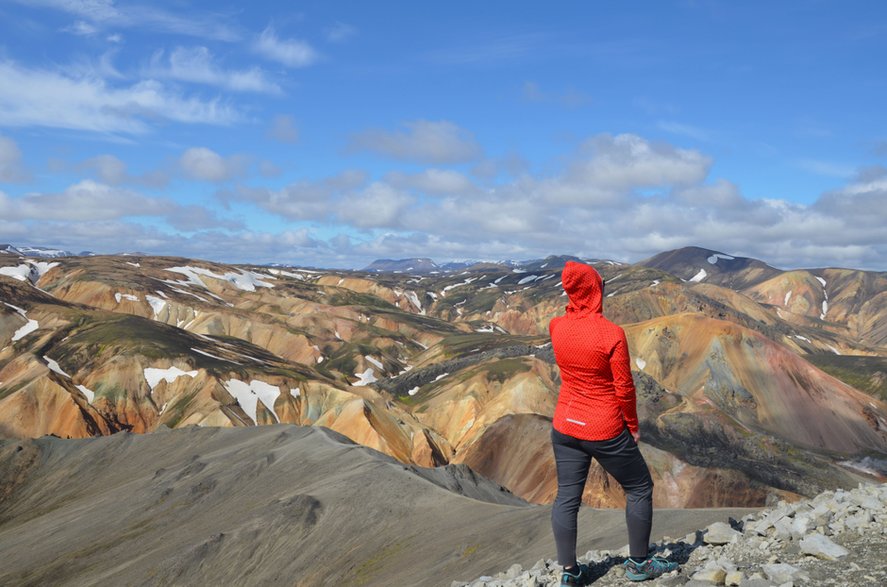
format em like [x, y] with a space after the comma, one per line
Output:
[597, 396]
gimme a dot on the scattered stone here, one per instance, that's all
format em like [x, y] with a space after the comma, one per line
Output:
[822, 547]
[713, 576]
[720, 533]
[782, 572]
[835, 539]
[513, 571]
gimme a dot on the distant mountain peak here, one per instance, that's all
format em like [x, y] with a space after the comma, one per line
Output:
[698, 264]
[409, 265]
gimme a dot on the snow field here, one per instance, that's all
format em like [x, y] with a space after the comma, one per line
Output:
[248, 395]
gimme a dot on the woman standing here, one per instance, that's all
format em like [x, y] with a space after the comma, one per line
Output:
[596, 417]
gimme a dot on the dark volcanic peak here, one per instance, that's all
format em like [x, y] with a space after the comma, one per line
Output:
[412, 265]
[698, 264]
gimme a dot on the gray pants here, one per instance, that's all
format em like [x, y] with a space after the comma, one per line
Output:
[621, 458]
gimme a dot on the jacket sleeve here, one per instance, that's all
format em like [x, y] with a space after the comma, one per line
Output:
[623, 382]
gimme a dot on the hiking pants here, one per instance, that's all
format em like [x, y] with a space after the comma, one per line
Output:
[621, 458]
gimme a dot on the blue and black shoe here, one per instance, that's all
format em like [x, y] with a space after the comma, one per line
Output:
[582, 577]
[648, 569]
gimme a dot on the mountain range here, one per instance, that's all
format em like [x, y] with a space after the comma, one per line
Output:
[754, 383]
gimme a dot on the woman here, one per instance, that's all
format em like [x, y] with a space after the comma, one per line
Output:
[596, 417]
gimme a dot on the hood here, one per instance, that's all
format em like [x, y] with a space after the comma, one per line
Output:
[584, 287]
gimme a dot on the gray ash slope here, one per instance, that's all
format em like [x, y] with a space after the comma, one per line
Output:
[274, 505]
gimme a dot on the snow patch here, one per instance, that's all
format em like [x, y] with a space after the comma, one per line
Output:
[788, 296]
[365, 378]
[413, 391]
[375, 362]
[804, 338]
[22, 272]
[821, 280]
[834, 350]
[640, 363]
[714, 258]
[295, 392]
[245, 280]
[528, 279]
[25, 330]
[157, 304]
[154, 376]
[248, 395]
[211, 356]
[699, 276]
[122, 296]
[90, 394]
[54, 366]
[28, 328]
[824, 309]
[441, 376]
[17, 309]
[133, 264]
[414, 299]
[872, 466]
[455, 285]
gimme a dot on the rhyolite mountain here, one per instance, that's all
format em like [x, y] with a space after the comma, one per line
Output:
[746, 387]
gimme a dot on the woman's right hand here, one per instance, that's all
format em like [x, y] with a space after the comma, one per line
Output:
[636, 436]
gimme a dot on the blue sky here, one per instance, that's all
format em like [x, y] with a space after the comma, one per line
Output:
[334, 133]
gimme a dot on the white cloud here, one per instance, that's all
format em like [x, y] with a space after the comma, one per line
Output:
[105, 13]
[109, 168]
[340, 32]
[378, 205]
[82, 28]
[628, 161]
[432, 181]
[303, 200]
[826, 168]
[494, 50]
[685, 130]
[283, 128]
[35, 97]
[570, 98]
[206, 165]
[290, 52]
[12, 169]
[197, 65]
[84, 201]
[91, 204]
[424, 141]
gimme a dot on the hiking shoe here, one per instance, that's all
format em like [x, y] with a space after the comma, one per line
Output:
[582, 578]
[649, 569]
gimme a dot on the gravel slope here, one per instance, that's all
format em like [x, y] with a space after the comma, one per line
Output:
[273, 505]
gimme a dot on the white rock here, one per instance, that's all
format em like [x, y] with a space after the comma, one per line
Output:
[715, 576]
[782, 572]
[783, 528]
[721, 533]
[800, 526]
[822, 547]
[733, 578]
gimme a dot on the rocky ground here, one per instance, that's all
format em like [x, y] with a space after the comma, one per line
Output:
[837, 538]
